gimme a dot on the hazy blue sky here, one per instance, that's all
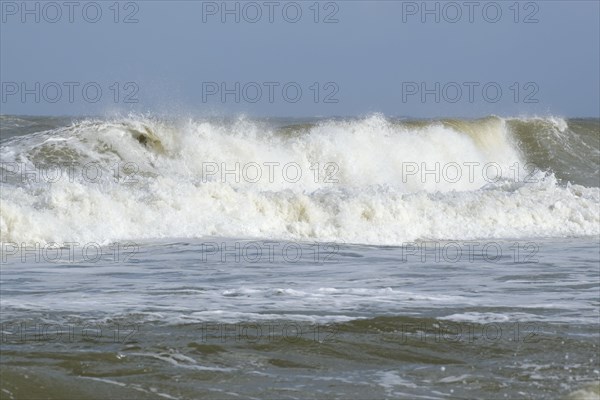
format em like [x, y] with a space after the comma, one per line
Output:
[375, 58]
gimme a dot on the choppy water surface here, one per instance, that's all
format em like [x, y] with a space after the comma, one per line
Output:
[180, 284]
[370, 321]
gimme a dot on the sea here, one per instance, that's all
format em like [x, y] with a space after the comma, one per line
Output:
[372, 257]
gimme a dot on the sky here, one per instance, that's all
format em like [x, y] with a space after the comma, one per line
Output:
[301, 59]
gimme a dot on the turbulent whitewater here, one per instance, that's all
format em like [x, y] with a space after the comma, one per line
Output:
[373, 180]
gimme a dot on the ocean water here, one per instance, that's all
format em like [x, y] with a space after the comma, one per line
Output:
[372, 257]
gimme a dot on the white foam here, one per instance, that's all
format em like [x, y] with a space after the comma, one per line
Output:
[375, 201]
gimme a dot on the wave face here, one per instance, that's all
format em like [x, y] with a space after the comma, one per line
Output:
[373, 180]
